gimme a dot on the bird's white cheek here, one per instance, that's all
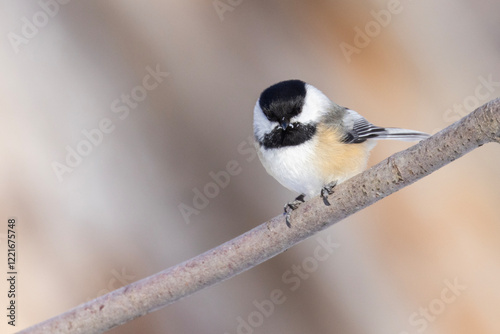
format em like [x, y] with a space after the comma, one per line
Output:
[261, 125]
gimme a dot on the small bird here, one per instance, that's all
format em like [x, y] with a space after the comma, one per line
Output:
[309, 143]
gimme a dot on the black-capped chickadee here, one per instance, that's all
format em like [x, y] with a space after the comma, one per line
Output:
[309, 143]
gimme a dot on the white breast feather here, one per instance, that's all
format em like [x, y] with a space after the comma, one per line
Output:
[293, 167]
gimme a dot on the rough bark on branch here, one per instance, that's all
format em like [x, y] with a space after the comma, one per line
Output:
[273, 237]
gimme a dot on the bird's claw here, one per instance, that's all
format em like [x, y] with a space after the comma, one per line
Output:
[327, 190]
[290, 206]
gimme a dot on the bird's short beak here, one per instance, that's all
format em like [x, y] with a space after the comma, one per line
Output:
[284, 124]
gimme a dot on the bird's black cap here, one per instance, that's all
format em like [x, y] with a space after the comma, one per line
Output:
[283, 100]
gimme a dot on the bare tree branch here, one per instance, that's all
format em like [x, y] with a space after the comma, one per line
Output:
[273, 237]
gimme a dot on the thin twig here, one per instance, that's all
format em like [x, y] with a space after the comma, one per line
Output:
[273, 237]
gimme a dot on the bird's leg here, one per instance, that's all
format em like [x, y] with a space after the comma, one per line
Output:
[327, 190]
[290, 206]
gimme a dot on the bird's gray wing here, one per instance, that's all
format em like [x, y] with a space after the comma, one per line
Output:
[358, 129]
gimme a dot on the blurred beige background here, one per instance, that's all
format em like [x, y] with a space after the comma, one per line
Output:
[424, 260]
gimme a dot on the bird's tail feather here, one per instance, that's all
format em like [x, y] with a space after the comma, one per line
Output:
[402, 134]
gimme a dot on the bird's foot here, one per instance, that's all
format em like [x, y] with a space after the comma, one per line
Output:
[290, 206]
[327, 190]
